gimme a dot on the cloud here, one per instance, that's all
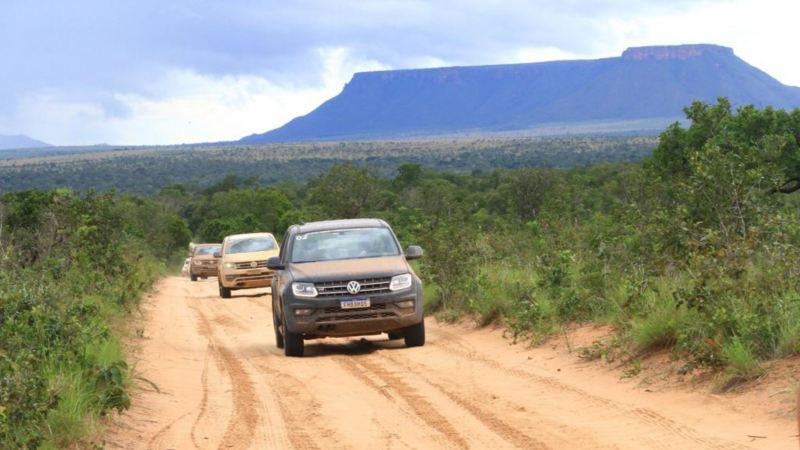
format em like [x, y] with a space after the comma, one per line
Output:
[150, 71]
[762, 32]
[190, 107]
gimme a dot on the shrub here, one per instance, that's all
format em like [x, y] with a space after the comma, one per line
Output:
[61, 366]
[742, 365]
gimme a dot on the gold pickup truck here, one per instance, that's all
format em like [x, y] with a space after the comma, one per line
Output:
[203, 264]
[243, 262]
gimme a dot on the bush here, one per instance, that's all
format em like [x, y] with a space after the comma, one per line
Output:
[742, 365]
[61, 366]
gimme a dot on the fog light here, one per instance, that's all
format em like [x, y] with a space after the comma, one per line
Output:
[405, 304]
[303, 312]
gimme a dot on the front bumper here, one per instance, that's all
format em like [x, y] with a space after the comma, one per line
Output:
[245, 279]
[328, 319]
[204, 270]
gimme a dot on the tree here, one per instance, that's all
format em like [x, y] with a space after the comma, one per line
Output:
[346, 191]
[760, 139]
[216, 229]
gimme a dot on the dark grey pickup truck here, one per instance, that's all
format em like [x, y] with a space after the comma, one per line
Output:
[344, 278]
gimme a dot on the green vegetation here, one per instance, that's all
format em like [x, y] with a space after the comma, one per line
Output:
[692, 251]
[71, 267]
[146, 170]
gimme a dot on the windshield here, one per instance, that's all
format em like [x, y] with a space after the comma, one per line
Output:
[344, 244]
[206, 250]
[249, 245]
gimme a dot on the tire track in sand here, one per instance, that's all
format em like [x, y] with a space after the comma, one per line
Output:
[203, 402]
[418, 403]
[151, 444]
[298, 408]
[499, 427]
[295, 404]
[455, 345]
[245, 417]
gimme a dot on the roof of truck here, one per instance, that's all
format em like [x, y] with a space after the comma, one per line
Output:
[327, 225]
[248, 235]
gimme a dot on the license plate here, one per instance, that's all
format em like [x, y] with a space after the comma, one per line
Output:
[355, 303]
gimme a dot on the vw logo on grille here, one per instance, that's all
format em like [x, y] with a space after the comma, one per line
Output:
[253, 264]
[353, 287]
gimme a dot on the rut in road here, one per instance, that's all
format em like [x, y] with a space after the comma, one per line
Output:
[245, 417]
[224, 385]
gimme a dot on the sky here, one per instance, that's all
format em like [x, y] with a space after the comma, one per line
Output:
[141, 72]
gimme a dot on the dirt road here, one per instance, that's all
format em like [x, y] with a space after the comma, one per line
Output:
[222, 383]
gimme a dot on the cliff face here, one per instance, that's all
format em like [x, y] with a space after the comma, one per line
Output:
[679, 52]
[645, 83]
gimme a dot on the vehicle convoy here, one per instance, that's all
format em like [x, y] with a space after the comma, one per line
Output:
[344, 278]
[243, 262]
[203, 263]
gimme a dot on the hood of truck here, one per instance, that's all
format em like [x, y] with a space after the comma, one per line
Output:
[349, 269]
[202, 257]
[254, 256]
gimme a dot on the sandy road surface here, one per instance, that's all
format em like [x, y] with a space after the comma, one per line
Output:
[222, 384]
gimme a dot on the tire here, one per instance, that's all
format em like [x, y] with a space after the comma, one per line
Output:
[193, 277]
[395, 335]
[293, 343]
[224, 292]
[276, 325]
[415, 335]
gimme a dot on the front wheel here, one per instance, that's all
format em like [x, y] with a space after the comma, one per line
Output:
[415, 335]
[277, 326]
[193, 277]
[293, 343]
[224, 292]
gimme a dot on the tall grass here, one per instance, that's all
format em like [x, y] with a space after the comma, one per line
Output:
[67, 281]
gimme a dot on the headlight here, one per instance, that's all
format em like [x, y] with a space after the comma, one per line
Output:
[400, 282]
[198, 263]
[304, 289]
[230, 265]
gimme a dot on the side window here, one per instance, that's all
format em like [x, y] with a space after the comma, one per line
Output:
[284, 244]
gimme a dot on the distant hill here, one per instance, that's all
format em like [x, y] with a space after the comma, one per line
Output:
[20, 141]
[642, 90]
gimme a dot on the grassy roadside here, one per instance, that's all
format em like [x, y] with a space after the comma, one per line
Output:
[73, 268]
[730, 323]
[694, 251]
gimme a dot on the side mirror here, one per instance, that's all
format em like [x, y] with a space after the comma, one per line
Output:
[414, 252]
[274, 263]
[217, 255]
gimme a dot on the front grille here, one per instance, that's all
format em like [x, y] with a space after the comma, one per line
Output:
[248, 265]
[240, 278]
[336, 314]
[210, 263]
[369, 286]
[356, 316]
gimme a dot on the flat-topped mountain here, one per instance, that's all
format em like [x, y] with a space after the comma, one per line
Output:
[644, 89]
[19, 141]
